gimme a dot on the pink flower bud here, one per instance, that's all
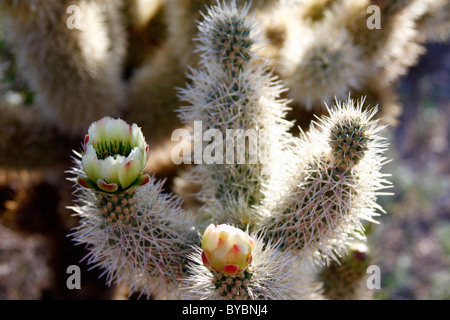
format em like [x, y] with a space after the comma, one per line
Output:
[226, 249]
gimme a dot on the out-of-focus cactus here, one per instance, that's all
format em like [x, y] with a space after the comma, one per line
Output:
[88, 59]
[285, 205]
[346, 279]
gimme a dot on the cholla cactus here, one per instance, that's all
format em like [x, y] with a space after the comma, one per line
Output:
[130, 226]
[334, 189]
[235, 94]
[282, 206]
[320, 64]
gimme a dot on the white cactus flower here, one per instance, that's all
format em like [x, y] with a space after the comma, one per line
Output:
[115, 154]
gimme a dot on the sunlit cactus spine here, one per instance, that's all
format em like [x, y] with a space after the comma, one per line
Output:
[335, 189]
[350, 135]
[227, 38]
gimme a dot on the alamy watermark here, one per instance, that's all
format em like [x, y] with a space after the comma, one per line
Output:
[74, 21]
[213, 146]
[374, 21]
[74, 280]
[373, 281]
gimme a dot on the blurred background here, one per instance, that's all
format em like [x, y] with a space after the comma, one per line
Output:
[413, 239]
[411, 244]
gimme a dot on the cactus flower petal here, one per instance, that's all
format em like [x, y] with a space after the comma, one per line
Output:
[91, 165]
[86, 140]
[85, 182]
[205, 260]
[142, 180]
[108, 187]
[230, 269]
[131, 168]
[249, 260]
